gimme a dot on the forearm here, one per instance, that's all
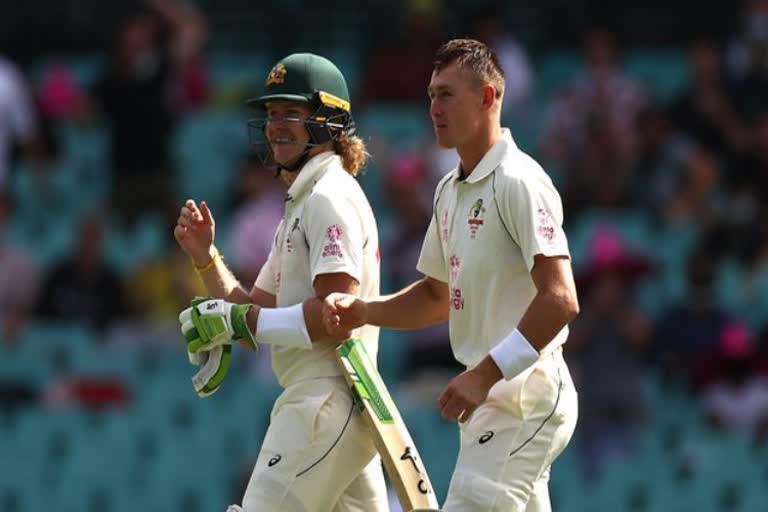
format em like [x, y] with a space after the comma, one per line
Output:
[312, 313]
[416, 306]
[546, 316]
[219, 280]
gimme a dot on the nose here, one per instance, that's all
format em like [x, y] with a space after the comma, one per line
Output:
[435, 111]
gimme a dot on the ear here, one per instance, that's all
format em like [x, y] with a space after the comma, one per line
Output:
[489, 96]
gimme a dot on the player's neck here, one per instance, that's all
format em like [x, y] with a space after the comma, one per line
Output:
[477, 146]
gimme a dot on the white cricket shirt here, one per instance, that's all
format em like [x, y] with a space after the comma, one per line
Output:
[484, 234]
[328, 227]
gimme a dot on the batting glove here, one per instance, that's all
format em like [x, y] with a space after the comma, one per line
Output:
[214, 365]
[212, 372]
[209, 323]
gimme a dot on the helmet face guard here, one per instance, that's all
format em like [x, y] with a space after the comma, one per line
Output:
[330, 120]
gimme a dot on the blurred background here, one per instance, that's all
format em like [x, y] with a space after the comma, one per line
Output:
[651, 117]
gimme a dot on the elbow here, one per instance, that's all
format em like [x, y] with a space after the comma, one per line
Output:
[572, 308]
[566, 304]
[440, 300]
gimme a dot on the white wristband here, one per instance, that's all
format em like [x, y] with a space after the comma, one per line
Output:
[514, 354]
[284, 327]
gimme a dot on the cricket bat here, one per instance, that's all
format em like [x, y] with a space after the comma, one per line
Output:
[391, 437]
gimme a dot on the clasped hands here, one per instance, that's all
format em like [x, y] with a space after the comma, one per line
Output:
[460, 398]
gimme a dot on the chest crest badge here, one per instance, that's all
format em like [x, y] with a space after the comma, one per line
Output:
[475, 220]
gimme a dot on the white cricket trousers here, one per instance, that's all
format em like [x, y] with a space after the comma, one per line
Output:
[509, 443]
[317, 455]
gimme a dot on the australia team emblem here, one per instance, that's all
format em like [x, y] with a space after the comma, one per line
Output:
[277, 74]
[475, 219]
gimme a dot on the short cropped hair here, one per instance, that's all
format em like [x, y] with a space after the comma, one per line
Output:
[475, 57]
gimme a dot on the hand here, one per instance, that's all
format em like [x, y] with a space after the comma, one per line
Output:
[342, 313]
[465, 393]
[210, 323]
[195, 231]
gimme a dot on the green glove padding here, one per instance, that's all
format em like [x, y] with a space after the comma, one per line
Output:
[214, 366]
[209, 323]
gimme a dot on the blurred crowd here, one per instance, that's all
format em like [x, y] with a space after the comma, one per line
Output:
[666, 204]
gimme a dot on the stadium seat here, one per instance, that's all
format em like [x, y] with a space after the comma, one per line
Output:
[663, 71]
[556, 69]
[208, 147]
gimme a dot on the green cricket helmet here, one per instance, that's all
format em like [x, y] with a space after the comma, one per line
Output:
[310, 79]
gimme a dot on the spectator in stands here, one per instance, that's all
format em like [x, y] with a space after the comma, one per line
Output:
[744, 224]
[607, 350]
[748, 57]
[84, 288]
[706, 110]
[410, 193]
[749, 173]
[691, 326]
[160, 287]
[603, 92]
[488, 27]
[395, 71]
[19, 279]
[18, 124]
[737, 398]
[142, 95]
[660, 161]
[695, 201]
[60, 96]
[259, 202]
[743, 279]
[602, 174]
[42, 179]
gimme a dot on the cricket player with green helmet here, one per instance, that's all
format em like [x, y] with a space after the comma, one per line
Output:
[317, 455]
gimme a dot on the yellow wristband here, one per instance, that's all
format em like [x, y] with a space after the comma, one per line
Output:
[205, 268]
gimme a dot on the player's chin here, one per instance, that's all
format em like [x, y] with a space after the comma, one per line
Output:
[286, 157]
[444, 141]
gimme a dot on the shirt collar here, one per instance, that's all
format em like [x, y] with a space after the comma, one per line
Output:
[311, 173]
[492, 158]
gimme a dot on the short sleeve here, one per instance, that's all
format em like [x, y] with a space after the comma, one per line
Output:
[334, 231]
[431, 260]
[533, 212]
[269, 275]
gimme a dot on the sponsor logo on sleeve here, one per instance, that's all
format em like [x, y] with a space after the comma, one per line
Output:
[333, 247]
[545, 225]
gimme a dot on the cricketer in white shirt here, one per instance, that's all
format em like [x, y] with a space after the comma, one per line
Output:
[485, 232]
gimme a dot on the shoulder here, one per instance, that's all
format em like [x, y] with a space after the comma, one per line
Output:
[519, 170]
[336, 186]
[442, 184]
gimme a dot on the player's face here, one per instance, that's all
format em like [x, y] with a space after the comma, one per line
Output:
[455, 104]
[286, 133]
